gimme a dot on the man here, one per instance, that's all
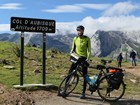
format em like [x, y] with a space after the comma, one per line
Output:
[133, 57]
[119, 59]
[81, 46]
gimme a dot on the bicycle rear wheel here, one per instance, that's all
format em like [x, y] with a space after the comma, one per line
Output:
[68, 85]
[106, 92]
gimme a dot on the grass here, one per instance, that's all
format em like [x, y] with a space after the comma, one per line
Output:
[57, 66]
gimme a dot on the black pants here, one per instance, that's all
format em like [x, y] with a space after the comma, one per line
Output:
[73, 66]
[119, 64]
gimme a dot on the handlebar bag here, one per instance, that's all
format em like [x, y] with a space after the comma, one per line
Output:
[74, 57]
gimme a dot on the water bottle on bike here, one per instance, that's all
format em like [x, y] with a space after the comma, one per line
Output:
[88, 80]
[93, 79]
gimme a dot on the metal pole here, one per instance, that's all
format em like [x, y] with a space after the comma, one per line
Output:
[21, 58]
[126, 56]
[44, 59]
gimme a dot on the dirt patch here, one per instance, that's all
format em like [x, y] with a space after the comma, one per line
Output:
[134, 70]
[19, 97]
[14, 97]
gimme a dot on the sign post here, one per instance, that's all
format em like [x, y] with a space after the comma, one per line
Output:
[22, 58]
[44, 59]
[32, 25]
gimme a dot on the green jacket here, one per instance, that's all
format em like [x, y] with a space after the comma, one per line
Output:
[82, 46]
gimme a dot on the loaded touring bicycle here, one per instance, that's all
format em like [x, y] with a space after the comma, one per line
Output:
[108, 82]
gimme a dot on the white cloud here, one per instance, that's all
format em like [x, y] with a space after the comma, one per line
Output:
[120, 23]
[4, 27]
[95, 6]
[77, 8]
[12, 6]
[121, 8]
[65, 8]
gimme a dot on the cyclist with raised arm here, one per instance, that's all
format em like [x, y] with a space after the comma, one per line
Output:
[82, 47]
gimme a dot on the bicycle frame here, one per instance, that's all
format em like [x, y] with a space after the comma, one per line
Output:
[100, 74]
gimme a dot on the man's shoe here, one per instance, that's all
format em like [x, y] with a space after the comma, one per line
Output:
[82, 96]
[63, 94]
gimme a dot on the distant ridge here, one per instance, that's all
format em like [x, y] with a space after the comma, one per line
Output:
[104, 43]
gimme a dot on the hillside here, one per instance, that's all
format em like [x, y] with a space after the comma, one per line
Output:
[103, 43]
[57, 66]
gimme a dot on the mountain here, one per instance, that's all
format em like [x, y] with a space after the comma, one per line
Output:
[4, 36]
[107, 41]
[59, 42]
[104, 43]
[56, 42]
[111, 43]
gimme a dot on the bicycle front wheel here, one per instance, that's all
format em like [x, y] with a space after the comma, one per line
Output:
[68, 85]
[106, 92]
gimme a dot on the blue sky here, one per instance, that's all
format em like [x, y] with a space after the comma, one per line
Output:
[94, 14]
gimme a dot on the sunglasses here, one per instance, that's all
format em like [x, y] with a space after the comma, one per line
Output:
[79, 30]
